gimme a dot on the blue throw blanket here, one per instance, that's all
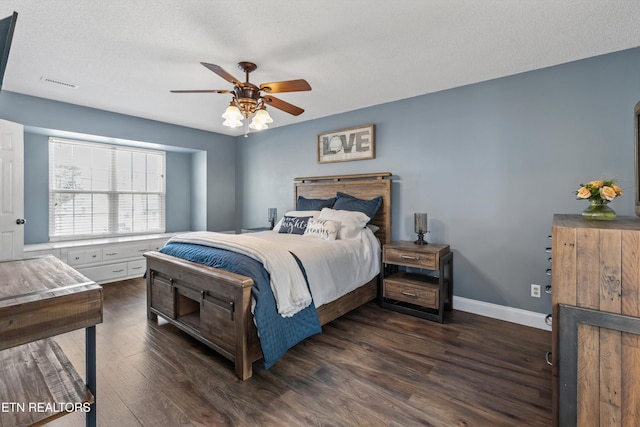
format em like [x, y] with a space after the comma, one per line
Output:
[277, 333]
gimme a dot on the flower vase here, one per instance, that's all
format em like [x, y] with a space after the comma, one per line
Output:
[598, 210]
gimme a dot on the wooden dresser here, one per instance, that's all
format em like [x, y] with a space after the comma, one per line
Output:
[596, 321]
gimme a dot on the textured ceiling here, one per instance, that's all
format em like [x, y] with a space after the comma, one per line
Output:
[125, 55]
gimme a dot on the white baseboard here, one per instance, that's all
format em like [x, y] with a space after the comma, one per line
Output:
[501, 312]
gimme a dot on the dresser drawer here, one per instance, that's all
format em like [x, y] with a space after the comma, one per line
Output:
[410, 258]
[412, 288]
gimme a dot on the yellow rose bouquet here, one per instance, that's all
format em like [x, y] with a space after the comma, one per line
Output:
[599, 193]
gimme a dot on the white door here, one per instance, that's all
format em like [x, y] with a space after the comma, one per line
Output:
[11, 190]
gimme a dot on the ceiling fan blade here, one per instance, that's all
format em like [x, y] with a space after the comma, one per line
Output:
[202, 91]
[222, 73]
[286, 86]
[282, 105]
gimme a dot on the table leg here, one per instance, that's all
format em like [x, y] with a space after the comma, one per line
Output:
[90, 355]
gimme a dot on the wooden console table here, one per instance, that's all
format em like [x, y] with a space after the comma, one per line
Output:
[41, 298]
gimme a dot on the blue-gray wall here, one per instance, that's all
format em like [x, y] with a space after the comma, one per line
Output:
[200, 176]
[490, 163]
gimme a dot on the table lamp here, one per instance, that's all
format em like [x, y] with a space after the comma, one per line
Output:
[420, 224]
[273, 213]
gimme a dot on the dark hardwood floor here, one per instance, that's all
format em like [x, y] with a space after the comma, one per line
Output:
[372, 367]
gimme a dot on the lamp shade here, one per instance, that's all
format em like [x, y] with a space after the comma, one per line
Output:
[420, 222]
[232, 123]
[232, 116]
[258, 125]
[262, 116]
[232, 112]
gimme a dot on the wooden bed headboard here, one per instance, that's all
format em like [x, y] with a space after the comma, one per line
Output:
[362, 186]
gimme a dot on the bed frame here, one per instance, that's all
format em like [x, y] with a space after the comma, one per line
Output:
[214, 305]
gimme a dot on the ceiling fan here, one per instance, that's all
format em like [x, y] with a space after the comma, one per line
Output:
[249, 98]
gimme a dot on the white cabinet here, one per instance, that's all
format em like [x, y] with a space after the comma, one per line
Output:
[103, 260]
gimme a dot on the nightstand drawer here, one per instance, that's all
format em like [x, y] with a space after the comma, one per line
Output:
[410, 258]
[412, 288]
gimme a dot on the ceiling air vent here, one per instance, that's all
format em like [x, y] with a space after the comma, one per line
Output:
[59, 82]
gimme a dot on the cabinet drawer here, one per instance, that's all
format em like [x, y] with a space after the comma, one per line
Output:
[93, 255]
[410, 258]
[136, 268]
[105, 273]
[124, 251]
[163, 295]
[76, 257]
[412, 288]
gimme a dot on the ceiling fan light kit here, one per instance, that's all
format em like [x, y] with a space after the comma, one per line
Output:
[248, 99]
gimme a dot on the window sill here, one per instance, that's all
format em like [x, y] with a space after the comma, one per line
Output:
[68, 244]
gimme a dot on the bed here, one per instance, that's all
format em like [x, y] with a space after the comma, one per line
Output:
[214, 305]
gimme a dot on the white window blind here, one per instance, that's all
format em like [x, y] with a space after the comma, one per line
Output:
[104, 190]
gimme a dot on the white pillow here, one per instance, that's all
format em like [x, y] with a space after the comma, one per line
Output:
[312, 214]
[351, 222]
[322, 229]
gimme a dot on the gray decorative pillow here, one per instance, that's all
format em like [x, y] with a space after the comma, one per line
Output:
[347, 202]
[294, 224]
[305, 204]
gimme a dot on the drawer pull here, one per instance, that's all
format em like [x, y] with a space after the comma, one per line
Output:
[415, 258]
[548, 272]
[548, 358]
[547, 289]
[111, 254]
[548, 320]
[118, 271]
[409, 294]
[136, 268]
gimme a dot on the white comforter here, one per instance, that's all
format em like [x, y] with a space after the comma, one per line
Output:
[334, 268]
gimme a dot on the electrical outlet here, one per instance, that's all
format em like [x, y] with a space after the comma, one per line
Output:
[535, 290]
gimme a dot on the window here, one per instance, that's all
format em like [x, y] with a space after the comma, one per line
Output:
[104, 190]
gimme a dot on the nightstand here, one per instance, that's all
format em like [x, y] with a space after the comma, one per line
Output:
[426, 293]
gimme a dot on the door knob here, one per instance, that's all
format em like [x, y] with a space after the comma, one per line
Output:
[20, 221]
